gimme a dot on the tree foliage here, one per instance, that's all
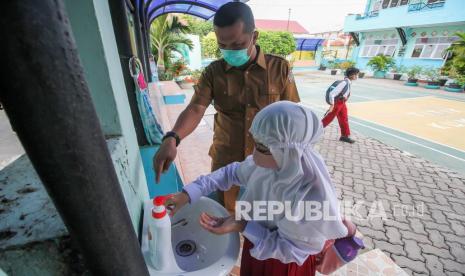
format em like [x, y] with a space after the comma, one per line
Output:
[210, 46]
[455, 67]
[198, 26]
[166, 33]
[277, 43]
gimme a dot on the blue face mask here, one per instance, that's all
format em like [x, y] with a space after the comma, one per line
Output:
[236, 58]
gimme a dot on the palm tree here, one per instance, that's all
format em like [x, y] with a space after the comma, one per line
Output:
[166, 34]
[456, 64]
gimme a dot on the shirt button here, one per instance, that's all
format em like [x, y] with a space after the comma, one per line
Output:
[225, 92]
[248, 105]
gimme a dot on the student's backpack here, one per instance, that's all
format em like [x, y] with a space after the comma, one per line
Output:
[331, 88]
[339, 252]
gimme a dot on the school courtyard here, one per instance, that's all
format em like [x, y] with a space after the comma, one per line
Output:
[403, 181]
[410, 158]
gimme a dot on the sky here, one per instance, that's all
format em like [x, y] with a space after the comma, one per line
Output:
[314, 15]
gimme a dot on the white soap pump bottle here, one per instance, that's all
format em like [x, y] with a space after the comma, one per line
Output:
[161, 250]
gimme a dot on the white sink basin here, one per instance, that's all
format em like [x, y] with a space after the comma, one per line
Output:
[197, 251]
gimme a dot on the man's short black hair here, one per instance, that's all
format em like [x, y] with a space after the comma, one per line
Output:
[352, 71]
[230, 13]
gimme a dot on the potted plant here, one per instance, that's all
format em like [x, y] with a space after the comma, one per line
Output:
[322, 67]
[412, 74]
[455, 86]
[432, 77]
[346, 65]
[333, 66]
[195, 76]
[442, 80]
[457, 83]
[361, 74]
[398, 71]
[380, 65]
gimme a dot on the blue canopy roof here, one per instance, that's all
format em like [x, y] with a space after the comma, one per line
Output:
[201, 8]
[308, 44]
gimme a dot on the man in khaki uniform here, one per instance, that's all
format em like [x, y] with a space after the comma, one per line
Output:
[244, 81]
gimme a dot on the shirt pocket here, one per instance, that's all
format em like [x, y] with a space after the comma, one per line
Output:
[223, 99]
[270, 94]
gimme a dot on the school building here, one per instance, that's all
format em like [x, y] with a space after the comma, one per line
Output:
[336, 45]
[414, 32]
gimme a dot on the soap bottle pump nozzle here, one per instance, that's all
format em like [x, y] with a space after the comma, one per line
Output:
[159, 211]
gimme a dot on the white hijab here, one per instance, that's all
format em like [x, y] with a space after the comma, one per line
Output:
[290, 130]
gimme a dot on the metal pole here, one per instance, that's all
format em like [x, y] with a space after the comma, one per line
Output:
[146, 36]
[149, 52]
[121, 28]
[141, 46]
[348, 47]
[47, 100]
[288, 19]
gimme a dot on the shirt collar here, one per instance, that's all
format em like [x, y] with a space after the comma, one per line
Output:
[259, 60]
[348, 80]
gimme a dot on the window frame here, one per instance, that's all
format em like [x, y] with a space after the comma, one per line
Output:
[436, 44]
[383, 45]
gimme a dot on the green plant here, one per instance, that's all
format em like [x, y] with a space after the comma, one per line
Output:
[177, 68]
[277, 43]
[455, 66]
[166, 76]
[346, 64]
[210, 46]
[414, 71]
[381, 63]
[196, 75]
[398, 69]
[432, 74]
[333, 65]
[198, 26]
[166, 33]
[460, 80]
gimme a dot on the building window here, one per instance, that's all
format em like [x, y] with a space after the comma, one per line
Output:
[374, 47]
[417, 51]
[393, 3]
[431, 47]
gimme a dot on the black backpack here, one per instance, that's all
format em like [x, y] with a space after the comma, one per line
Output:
[331, 88]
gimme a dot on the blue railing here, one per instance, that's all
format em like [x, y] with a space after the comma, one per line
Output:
[426, 5]
[367, 15]
[418, 6]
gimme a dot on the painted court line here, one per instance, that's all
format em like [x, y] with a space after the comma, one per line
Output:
[404, 139]
[363, 97]
[413, 142]
[406, 132]
[394, 100]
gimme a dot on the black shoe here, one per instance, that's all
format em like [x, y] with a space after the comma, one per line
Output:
[346, 139]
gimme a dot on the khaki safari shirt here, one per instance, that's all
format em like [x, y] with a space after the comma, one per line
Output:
[237, 96]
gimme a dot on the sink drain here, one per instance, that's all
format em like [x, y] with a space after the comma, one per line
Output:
[185, 248]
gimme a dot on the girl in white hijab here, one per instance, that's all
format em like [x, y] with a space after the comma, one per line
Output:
[284, 168]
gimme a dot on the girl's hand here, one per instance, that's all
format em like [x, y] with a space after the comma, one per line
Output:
[175, 202]
[221, 226]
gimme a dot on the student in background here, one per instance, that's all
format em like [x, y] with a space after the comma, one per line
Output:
[336, 96]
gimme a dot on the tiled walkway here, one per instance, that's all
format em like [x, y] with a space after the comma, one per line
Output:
[424, 229]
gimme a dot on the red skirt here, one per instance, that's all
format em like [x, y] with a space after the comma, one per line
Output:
[273, 267]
